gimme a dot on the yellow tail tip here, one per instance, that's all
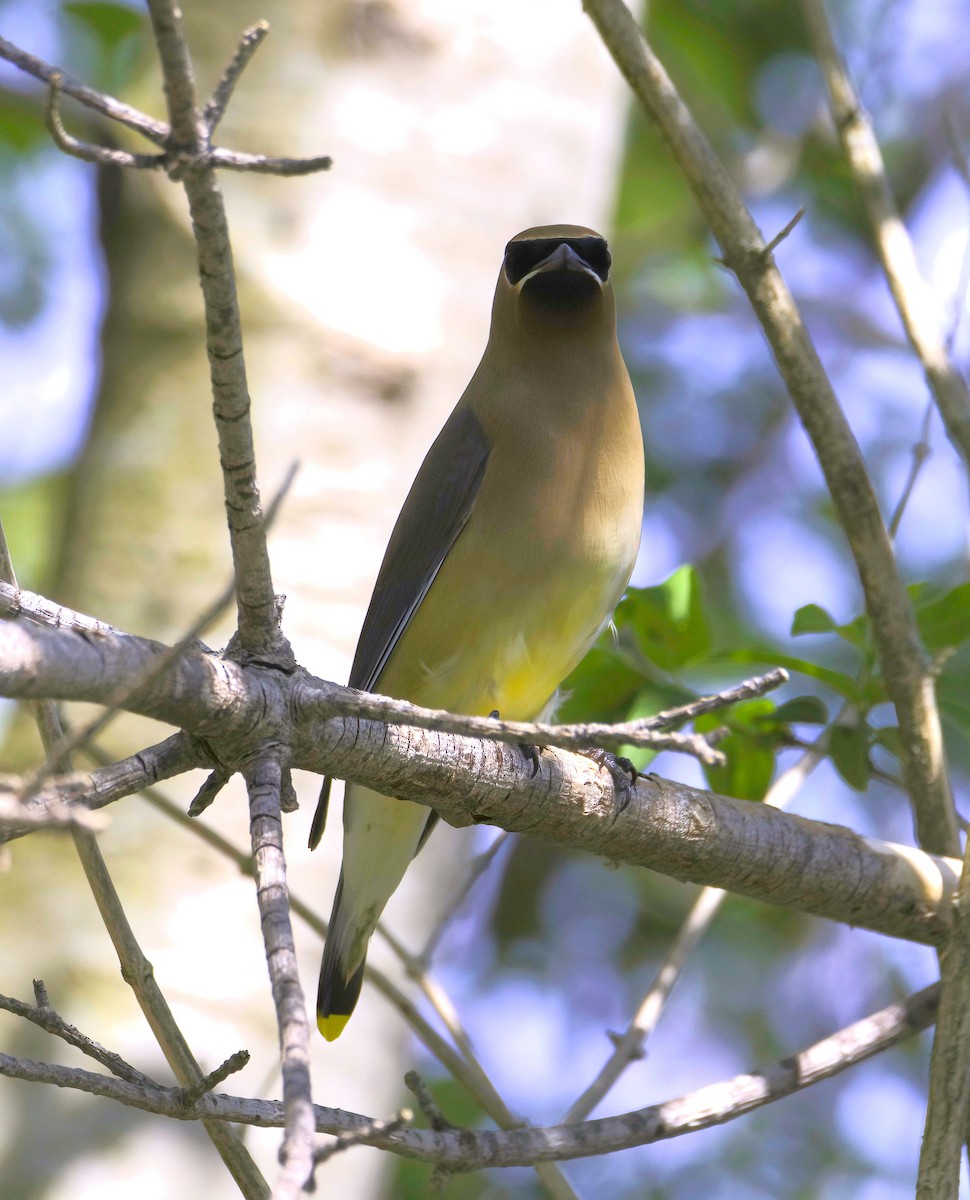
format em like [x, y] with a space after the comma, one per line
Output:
[332, 1026]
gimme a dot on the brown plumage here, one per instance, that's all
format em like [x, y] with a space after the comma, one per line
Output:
[513, 547]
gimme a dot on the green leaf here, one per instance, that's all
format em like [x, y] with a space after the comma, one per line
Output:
[668, 621]
[842, 684]
[749, 750]
[849, 749]
[801, 710]
[945, 621]
[812, 618]
[601, 688]
[110, 23]
[888, 737]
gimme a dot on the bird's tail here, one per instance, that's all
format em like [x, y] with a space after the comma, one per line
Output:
[340, 976]
[381, 836]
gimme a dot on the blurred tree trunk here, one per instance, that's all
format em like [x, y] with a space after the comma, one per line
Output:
[366, 296]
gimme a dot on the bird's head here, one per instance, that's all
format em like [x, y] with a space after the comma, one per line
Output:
[557, 273]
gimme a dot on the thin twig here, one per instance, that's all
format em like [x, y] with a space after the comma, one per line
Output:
[426, 1102]
[757, 685]
[249, 43]
[258, 623]
[100, 155]
[17, 818]
[108, 106]
[921, 454]
[15, 602]
[45, 1017]
[263, 783]
[325, 699]
[374, 1128]
[465, 1149]
[235, 1062]
[84, 793]
[784, 232]
[913, 299]
[265, 164]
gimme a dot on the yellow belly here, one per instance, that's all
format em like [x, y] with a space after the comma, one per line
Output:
[507, 642]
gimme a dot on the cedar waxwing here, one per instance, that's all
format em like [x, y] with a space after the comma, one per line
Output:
[513, 547]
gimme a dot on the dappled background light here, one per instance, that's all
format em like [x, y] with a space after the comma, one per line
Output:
[553, 949]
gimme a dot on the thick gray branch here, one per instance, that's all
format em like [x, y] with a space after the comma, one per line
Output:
[200, 692]
[684, 832]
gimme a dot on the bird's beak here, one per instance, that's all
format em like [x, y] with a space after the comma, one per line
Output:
[563, 258]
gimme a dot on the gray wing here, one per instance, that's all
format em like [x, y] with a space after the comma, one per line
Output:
[438, 506]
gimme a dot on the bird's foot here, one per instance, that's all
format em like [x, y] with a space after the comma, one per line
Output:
[530, 751]
[623, 773]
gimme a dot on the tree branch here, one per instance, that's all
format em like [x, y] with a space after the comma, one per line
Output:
[264, 784]
[108, 106]
[15, 602]
[905, 667]
[99, 155]
[249, 43]
[945, 1128]
[690, 834]
[47, 1019]
[465, 1150]
[913, 299]
[84, 792]
[258, 621]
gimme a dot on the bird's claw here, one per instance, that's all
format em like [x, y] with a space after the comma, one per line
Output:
[530, 751]
[623, 773]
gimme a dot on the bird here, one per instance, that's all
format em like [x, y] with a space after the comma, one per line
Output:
[514, 545]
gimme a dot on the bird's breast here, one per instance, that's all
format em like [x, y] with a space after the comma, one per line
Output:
[531, 580]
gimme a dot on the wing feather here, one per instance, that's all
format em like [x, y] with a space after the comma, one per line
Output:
[436, 511]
